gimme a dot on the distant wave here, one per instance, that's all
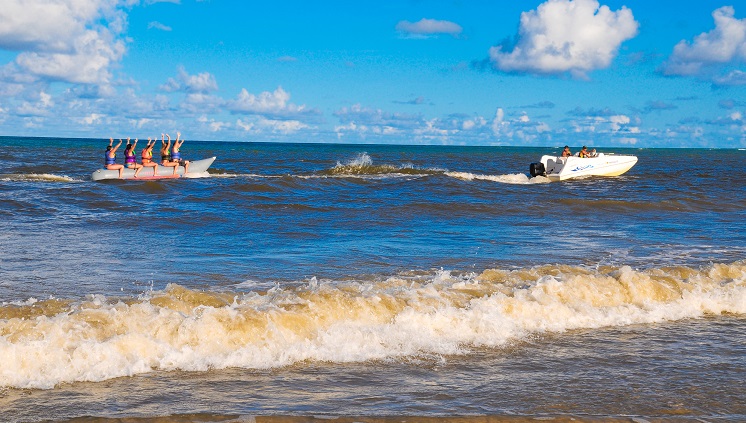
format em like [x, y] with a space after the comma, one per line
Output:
[363, 167]
[43, 177]
[48, 342]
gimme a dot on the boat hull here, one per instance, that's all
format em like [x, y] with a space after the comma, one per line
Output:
[564, 168]
[197, 168]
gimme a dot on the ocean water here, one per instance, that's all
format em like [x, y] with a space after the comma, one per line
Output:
[305, 282]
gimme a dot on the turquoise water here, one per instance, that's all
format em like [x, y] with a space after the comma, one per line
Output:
[446, 272]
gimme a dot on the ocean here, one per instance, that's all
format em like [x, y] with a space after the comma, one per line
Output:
[317, 282]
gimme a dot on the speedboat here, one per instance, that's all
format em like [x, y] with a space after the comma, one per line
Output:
[564, 168]
[197, 168]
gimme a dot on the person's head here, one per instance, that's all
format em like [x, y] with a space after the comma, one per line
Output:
[593, 151]
[584, 148]
[567, 147]
[108, 148]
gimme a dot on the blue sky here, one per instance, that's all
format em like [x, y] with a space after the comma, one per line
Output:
[530, 73]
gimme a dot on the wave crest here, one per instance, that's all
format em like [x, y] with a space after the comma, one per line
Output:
[363, 165]
[44, 343]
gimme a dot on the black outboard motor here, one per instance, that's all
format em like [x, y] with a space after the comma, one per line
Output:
[537, 169]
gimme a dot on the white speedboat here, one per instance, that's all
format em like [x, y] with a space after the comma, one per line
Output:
[564, 168]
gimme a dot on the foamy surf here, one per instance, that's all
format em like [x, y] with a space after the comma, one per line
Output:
[37, 177]
[45, 343]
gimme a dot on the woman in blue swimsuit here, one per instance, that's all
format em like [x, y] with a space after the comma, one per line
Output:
[110, 157]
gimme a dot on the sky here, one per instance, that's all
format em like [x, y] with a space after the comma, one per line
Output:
[634, 73]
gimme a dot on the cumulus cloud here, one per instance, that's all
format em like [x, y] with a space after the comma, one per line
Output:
[575, 36]
[200, 83]
[274, 104]
[73, 41]
[724, 44]
[425, 27]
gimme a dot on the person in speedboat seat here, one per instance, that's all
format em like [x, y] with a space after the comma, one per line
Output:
[566, 152]
[584, 152]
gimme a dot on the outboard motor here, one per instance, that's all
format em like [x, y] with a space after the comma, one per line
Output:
[537, 169]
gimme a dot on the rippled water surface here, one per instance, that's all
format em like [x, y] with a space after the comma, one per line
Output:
[371, 281]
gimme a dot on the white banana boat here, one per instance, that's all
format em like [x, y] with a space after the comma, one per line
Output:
[197, 169]
[564, 168]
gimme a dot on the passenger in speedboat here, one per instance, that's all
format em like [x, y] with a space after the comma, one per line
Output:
[147, 156]
[593, 153]
[176, 154]
[110, 157]
[166, 154]
[566, 152]
[584, 152]
[130, 160]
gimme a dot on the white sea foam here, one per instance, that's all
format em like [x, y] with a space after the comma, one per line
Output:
[40, 177]
[517, 178]
[197, 175]
[44, 343]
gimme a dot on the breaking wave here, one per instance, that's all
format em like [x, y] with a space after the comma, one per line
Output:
[48, 342]
[363, 165]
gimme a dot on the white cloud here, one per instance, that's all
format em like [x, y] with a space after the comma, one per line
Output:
[724, 44]
[91, 119]
[275, 104]
[158, 25]
[425, 27]
[350, 127]
[369, 117]
[566, 36]
[88, 63]
[499, 121]
[246, 126]
[617, 121]
[68, 40]
[40, 107]
[734, 77]
[201, 83]
[282, 126]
